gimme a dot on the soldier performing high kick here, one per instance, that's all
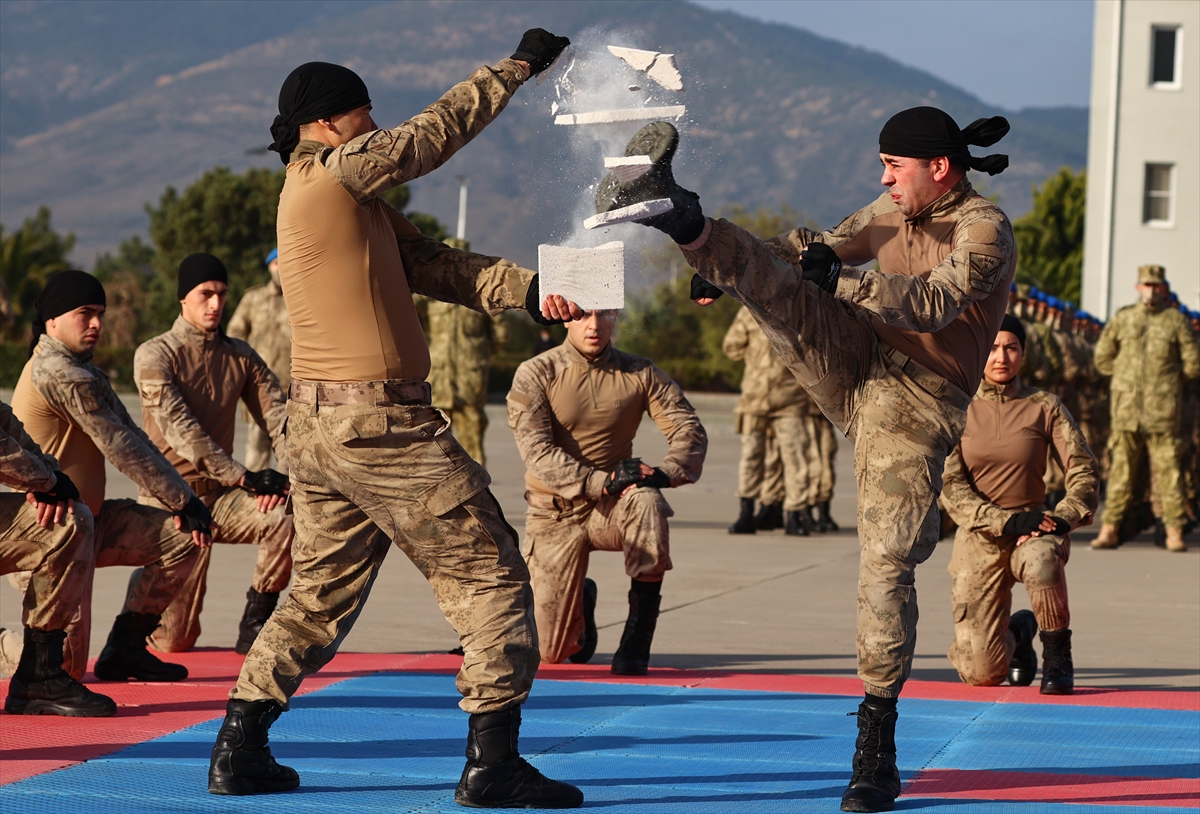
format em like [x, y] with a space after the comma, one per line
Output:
[890, 357]
[371, 461]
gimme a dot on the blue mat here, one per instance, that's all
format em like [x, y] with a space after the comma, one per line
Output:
[394, 743]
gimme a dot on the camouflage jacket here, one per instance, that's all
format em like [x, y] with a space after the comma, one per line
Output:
[768, 387]
[998, 467]
[575, 418]
[261, 319]
[1149, 353]
[69, 408]
[191, 382]
[23, 465]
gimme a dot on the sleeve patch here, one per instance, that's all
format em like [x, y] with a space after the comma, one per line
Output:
[984, 271]
[981, 232]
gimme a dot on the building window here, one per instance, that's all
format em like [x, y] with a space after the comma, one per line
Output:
[1165, 53]
[1158, 201]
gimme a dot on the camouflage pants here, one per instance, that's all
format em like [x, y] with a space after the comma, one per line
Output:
[1125, 454]
[982, 577]
[239, 522]
[58, 559]
[902, 419]
[760, 471]
[363, 476]
[469, 422]
[128, 533]
[558, 542]
[824, 448]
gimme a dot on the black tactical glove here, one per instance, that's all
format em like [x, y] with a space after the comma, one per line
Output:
[539, 48]
[658, 480]
[821, 265]
[266, 482]
[627, 473]
[534, 306]
[63, 491]
[1028, 522]
[195, 516]
[702, 288]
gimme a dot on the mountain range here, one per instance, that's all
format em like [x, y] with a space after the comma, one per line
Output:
[104, 104]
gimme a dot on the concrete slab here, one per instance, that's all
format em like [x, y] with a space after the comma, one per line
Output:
[592, 278]
[645, 209]
[628, 167]
[635, 58]
[634, 114]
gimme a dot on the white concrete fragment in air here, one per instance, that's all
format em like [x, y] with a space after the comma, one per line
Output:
[616, 116]
[664, 72]
[594, 279]
[629, 167]
[645, 209]
[637, 59]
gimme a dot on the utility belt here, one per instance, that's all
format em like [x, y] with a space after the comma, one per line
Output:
[932, 383]
[383, 391]
[541, 500]
[204, 486]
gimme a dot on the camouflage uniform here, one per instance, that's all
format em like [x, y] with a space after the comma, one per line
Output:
[822, 465]
[261, 319]
[190, 382]
[943, 284]
[1010, 427]
[574, 419]
[371, 462]
[59, 559]
[1149, 352]
[771, 410]
[69, 409]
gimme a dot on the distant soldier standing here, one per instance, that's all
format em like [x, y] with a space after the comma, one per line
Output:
[191, 380]
[575, 411]
[261, 319]
[1149, 351]
[371, 461]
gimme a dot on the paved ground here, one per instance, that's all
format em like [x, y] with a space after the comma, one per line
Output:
[767, 603]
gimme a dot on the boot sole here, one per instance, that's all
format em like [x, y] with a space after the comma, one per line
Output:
[17, 707]
[242, 787]
[658, 140]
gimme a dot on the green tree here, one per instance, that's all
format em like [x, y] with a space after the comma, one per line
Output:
[27, 257]
[1050, 237]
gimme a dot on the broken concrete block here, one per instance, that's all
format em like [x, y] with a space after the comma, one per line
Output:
[637, 59]
[645, 209]
[594, 279]
[664, 72]
[617, 116]
[628, 167]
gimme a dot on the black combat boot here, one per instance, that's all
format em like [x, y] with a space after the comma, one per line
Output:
[125, 655]
[591, 636]
[633, 655]
[875, 783]
[259, 608]
[1022, 669]
[824, 519]
[241, 760]
[769, 517]
[1058, 670]
[40, 685]
[496, 776]
[797, 524]
[745, 522]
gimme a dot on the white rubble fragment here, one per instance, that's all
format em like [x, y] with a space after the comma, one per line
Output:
[594, 279]
[628, 167]
[637, 59]
[645, 209]
[664, 72]
[627, 115]
[553, 108]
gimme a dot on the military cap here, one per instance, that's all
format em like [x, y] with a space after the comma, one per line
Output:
[1152, 274]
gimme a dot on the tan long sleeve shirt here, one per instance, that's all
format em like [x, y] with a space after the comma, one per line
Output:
[997, 468]
[575, 419]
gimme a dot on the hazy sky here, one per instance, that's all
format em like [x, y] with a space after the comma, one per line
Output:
[1011, 53]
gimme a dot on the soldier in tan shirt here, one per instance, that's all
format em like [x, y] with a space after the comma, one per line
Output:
[372, 463]
[995, 490]
[575, 411]
[191, 380]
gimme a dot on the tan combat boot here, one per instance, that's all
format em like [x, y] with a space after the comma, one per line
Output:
[1107, 537]
[1175, 540]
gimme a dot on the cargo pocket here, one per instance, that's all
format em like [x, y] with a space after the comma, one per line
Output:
[455, 489]
[915, 524]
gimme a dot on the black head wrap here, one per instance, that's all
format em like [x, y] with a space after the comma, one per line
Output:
[1014, 327]
[200, 268]
[65, 291]
[315, 90]
[926, 132]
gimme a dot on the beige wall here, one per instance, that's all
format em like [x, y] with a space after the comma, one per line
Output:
[1150, 125]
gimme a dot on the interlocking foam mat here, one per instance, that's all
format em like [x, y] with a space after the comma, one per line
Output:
[375, 733]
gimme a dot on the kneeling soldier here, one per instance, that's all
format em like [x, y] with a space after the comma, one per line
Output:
[575, 410]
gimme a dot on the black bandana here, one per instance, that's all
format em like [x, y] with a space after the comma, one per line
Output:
[926, 132]
[65, 291]
[315, 90]
[199, 268]
[1014, 327]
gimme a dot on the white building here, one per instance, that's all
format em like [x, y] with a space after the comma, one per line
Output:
[1143, 196]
